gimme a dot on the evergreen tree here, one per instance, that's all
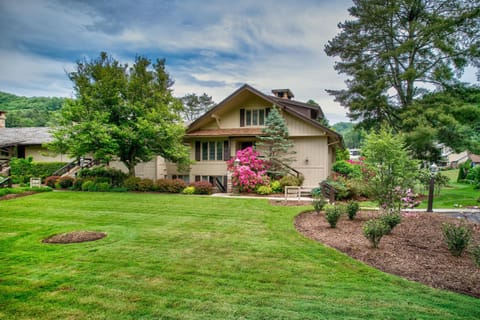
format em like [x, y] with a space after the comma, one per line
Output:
[194, 106]
[274, 144]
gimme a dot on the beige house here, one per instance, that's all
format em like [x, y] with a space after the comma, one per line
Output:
[234, 124]
[237, 121]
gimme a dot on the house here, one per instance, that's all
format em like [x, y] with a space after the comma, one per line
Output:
[215, 137]
[237, 121]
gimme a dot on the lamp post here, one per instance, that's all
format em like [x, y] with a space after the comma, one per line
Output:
[236, 164]
[433, 173]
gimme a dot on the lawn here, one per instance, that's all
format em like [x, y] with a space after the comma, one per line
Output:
[455, 195]
[191, 257]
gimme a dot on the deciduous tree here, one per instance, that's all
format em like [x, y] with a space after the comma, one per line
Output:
[121, 112]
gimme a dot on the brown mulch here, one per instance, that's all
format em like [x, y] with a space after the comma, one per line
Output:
[75, 237]
[414, 250]
[17, 195]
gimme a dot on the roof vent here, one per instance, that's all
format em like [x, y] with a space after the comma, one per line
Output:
[283, 93]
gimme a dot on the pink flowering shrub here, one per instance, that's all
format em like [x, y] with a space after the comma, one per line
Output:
[251, 171]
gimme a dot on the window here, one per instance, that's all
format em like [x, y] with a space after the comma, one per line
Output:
[211, 150]
[253, 117]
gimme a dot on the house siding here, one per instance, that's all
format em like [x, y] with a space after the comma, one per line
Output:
[41, 154]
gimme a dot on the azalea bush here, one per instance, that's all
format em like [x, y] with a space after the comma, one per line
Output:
[251, 171]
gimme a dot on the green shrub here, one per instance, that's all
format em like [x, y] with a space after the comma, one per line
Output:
[290, 181]
[50, 181]
[374, 230]
[189, 190]
[333, 214]
[476, 254]
[77, 184]
[170, 186]
[118, 189]
[352, 209]
[65, 182]
[264, 190]
[319, 202]
[457, 237]
[114, 176]
[57, 185]
[391, 220]
[22, 170]
[202, 187]
[145, 185]
[131, 183]
[102, 186]
[88, 185]
[276, 186]
[347, 169]
[341, 190]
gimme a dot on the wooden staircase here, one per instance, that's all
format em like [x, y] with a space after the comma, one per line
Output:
[70, 169]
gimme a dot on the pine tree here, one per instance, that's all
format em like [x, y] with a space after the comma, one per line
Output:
[275, 145]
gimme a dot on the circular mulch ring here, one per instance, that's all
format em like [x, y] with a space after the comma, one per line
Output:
[75, 237]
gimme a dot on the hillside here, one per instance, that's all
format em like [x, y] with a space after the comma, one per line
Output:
[28, 112]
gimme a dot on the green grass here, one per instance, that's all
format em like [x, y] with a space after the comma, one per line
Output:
[190, 257]
[455, 194]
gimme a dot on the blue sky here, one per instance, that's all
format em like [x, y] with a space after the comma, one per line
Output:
[209, 46]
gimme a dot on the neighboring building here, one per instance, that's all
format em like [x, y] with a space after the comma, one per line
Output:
[234, 124]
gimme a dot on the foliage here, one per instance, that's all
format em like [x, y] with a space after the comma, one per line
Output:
[348, 169]
[65, 182]
[121, 112]
[102, 186]
[88, 185]
[194, 106]
[131, 183]
[170, 185]
[50, 181]
[473, 176]
[333, 214]
[391, 219]
[289, 180]
[319, 202]
[374, 230]
[387, 157]
[202, 187]
[189, 190]
[274, 144]
[276, 186]
[457, 237]
[352, 209]
[21, 170]
[145, 185]
[342, 154]
[250, 172]
[476, 254]
[264, 190]
[28, 112]
[399, 46]
[409, 199]
[463, 170]
[115, 177]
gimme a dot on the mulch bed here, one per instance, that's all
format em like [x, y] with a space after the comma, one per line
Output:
[414, 250]
[75, 237]
[17, 195]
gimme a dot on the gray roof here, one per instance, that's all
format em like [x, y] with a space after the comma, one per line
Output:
[25, 136]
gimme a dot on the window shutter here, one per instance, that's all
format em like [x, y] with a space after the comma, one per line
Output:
[197, 150]
[226, 150]
[242, 117]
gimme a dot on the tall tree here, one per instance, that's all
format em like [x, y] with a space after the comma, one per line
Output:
[393, 48]
[121, 112]
[194, 106]
[323, 121]
[274, 144]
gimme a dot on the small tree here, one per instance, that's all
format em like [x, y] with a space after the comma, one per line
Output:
[274, 144]
[388, 158]
[194, 106]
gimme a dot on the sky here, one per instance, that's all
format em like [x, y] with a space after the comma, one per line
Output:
[211, 47]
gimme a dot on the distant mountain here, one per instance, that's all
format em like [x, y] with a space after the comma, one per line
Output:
[28, 112]
[343, 127]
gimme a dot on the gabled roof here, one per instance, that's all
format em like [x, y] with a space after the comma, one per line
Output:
[289, 106]
[25, 136]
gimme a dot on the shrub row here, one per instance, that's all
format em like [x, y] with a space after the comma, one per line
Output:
[21, 170]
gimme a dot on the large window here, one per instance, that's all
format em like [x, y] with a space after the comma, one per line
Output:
[210, 150]
[253, 117]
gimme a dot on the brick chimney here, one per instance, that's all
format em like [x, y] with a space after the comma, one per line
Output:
[283, 93]
[3, 116]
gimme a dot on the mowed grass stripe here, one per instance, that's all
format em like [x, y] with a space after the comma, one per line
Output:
[190, 257]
